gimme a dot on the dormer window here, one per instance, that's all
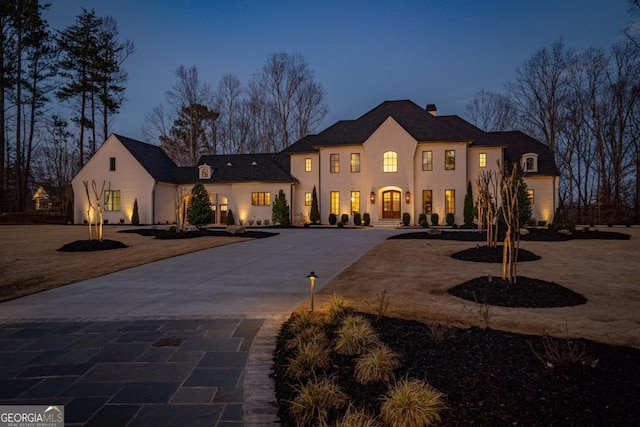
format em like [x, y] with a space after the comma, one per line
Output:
[529, 162]
[204, 171]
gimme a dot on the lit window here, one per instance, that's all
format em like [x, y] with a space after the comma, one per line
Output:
[427, 160]
[334, 163]
[427, 202]
[483, 160]
[390, 161]
[355, 202]
[335, 202]
[307, 199]
[449, 160]
[449, 201]
[112, 200]
[260, 198]
[307, 164]
[355, 162]
[530, 195]
[112, 163]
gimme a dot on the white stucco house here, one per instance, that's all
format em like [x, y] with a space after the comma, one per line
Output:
[396, 158]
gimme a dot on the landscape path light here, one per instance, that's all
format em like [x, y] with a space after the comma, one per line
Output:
[312, 279]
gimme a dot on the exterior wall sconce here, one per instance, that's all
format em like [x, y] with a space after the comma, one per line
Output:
[407, 197]
[312, 279]
[372, 197]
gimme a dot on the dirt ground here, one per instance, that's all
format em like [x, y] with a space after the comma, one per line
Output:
[414, 275]
[30, 261]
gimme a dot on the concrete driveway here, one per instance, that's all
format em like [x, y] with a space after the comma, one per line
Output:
[258, 278]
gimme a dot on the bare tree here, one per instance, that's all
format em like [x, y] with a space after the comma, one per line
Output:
[509, 183]
[188, 128]
[540, 93]
[487, 186]
[492, 112]
[229, 106]
[298, 101]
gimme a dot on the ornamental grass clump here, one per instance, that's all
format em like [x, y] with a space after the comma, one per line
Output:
[411, 403]
[357, 417]
[376, 365]
[304, 320]
[310, 358]
[355, 336]
[312, 333]
[315, 401]
[336, 309]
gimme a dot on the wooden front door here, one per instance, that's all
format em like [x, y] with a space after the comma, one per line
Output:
[391, 204]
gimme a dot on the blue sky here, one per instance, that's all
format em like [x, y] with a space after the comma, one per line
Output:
[363, 52]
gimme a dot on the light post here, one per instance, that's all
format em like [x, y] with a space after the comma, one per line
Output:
[312, 279]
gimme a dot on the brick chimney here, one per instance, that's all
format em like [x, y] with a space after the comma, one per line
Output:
[431, 109]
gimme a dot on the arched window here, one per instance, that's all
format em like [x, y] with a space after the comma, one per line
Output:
[390, 161]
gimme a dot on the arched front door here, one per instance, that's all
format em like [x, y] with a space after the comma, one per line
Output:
[391, 204]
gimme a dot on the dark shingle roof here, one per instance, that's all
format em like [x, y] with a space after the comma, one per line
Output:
[151, 157]
[419, 123]
[519, 143]
[264, 167]
[244, 167]
[425, 127]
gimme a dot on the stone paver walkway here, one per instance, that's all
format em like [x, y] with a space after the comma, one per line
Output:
[171, 372]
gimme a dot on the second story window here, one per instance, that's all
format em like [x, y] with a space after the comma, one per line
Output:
[112, 163]
[355, 162]
[483, 160]
[307, 164]
[530, 162]
[427, 160]
[390, 161]
[334, 163]
[449, 160]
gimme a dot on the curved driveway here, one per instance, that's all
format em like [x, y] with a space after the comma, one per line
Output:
[257, 278]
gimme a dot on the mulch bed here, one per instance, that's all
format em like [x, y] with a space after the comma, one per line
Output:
[492, 255]
[92, 245]
[495, 378]
[167, 235]
[526, 292]
[535, 235]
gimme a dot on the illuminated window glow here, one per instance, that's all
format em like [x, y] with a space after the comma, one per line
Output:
[260, 199]
[390, 161]
[335, 202]
[334, 163]
[449, 160]
[427, 160]
[112, 200]
[449, 201]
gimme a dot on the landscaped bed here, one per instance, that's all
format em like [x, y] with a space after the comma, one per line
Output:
[486, 376]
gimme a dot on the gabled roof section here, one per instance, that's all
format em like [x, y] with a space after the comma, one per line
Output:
[152, 158]
[418, 122]
[229, 168]
[518, 143]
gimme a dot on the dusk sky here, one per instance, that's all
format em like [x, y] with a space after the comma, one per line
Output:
[362, 52]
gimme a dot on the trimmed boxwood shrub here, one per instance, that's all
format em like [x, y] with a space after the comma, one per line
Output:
[344, 219]
[406, 219]
[340, 224]
[422, 217]
[450, 218]
[435, 218]
[366, 220]
[333, 219]
[357, 218]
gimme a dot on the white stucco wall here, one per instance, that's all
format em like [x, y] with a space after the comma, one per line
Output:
[130, 178]
[307, 180]
[544, 204]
